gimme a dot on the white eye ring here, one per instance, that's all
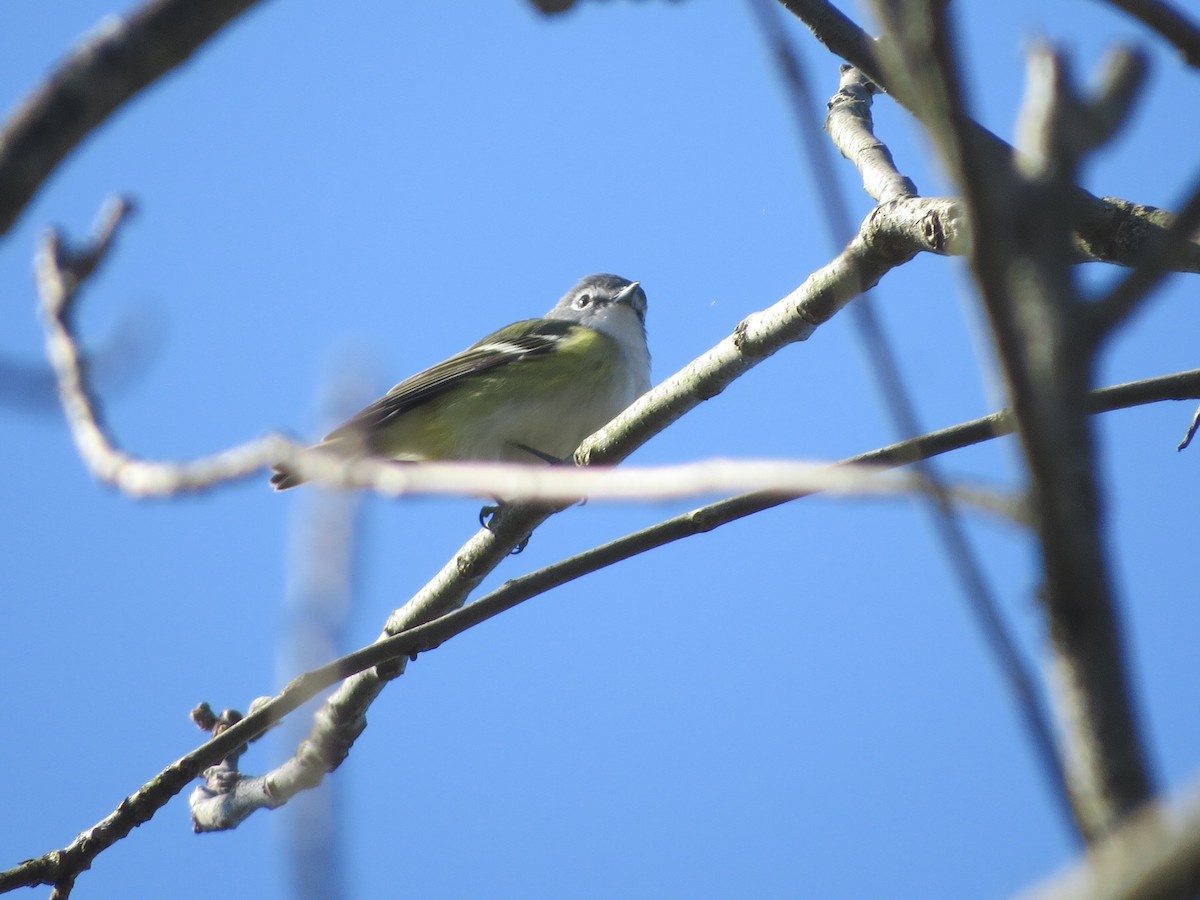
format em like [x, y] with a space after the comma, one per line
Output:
[583, 301]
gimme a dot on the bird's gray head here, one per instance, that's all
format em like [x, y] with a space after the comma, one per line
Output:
[600, 301]
[617, 307]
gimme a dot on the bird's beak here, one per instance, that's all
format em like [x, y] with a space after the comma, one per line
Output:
[627, 292]
[634, 297]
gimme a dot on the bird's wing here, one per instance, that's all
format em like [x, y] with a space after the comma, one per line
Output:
[519, 341]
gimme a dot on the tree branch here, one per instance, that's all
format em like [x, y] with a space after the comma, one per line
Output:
[1191, 431]
[850, 127]
[1108, 229]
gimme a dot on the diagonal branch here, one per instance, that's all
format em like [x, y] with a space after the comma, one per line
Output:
[1192, 428]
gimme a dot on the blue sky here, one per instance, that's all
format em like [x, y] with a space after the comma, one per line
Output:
[796, 704]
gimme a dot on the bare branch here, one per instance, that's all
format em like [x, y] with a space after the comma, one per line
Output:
[1108, 229]
[1172, 25]
[122, 56]
[852, 131]
[840, 35]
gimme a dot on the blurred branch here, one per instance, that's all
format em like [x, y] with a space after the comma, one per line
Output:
[120, 57]
[1172, 25]
[137, 809]
[1022, 212]
[515, 483]
[1108, 229]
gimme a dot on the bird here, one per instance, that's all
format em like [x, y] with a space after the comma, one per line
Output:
[529, 392]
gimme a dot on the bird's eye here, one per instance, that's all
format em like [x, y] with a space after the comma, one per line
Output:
[583, 301]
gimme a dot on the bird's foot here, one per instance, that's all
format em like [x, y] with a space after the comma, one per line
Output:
[488, 514]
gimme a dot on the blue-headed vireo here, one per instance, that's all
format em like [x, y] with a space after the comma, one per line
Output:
[532, 390]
